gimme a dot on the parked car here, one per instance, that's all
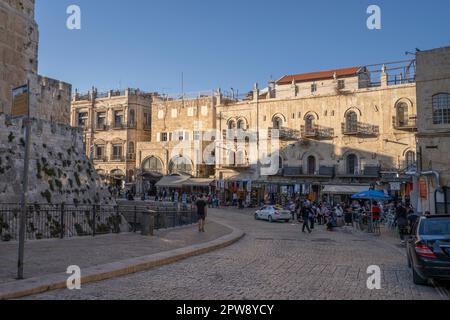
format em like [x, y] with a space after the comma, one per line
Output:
[428, 249]
[273, 213]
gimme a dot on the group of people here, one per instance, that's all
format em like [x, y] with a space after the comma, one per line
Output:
[312, 213]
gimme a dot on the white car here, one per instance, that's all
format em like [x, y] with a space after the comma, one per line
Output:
[273, 213]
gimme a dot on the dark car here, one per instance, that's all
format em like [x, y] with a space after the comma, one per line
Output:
[428, 249]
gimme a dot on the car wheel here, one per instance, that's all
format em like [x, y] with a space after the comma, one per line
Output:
[417, 279]
[256, 216]
[270, 219]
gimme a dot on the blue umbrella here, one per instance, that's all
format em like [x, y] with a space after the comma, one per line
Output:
[371, 195]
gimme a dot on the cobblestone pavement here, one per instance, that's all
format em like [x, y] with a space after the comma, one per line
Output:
[45, 257]
[273, 261]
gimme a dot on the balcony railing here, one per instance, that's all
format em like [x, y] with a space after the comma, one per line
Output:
[117, 158]
[101, 127]
[100, 159]
[131, 156]
[367, 172]
[405, 124]
[285, 134]
[298, 172]
[118, 126]
[360, 128]
[317, 132]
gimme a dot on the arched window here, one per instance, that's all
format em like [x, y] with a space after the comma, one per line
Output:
[152, 164]
[309, 123]
[351, 122]
[277, 123]
[441, 108]
[311, 165]
[352, 164]
[410, 159]
[402, 114]
[180, 165]
[231, 125]
[241, 124]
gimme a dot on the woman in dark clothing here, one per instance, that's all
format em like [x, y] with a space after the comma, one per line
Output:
[304, 212]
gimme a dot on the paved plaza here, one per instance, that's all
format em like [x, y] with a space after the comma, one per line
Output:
[273, 261]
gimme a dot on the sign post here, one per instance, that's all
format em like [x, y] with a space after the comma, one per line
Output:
[21, 107]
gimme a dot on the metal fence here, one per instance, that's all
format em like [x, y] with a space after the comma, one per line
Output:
[66, 221]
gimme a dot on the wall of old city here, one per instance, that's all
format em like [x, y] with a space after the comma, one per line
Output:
[59, 170]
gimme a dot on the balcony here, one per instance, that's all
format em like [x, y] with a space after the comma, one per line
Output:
[147, 126]
[285, 134]
[409, 124]
[118, 126]
[317, 132]
[117, 158]
[360, 129]
[100, 159]
[367, 172]
[324, 172]
[235, 166]
[131, 156]
[101, 127]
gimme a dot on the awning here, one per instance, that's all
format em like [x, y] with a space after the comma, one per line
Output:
[198, 182]
[344, 189]
[174, 181]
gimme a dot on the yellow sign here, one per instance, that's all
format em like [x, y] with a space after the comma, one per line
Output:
[20, 101]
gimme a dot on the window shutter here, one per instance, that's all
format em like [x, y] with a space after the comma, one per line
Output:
[158, 137]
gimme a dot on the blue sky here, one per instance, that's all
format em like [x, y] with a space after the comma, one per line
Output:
[148, 44]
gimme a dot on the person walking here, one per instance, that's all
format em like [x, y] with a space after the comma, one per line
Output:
[304, 212]
[402, 222]
[201, 213]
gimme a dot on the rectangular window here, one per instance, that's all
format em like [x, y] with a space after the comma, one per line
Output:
[441, 108]
[117, 152]
[341, 84]
[164, 136]
[101, 120]
[299, 115]
[174, 113]
[190, 112]
[118, 119]
[313, 88]
[82, 119]
[99, 152]
[197, 135]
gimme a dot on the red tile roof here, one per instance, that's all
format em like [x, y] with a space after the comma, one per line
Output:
[322, 75]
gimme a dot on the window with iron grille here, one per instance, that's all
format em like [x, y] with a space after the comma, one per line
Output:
[441, 108]
[313, 88]
[341, 84]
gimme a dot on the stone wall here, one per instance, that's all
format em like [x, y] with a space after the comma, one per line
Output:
[433, 77]
[59, 170]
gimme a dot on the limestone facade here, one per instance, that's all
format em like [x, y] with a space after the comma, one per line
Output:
[351, 134]
[182, 130]
[433, 102]
[113, 124]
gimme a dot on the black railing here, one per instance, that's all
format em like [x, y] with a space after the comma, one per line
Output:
[359, 128]
[405, 124]
[317, 132]
[67, 221]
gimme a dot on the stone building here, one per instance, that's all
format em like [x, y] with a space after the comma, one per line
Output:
[114, 123]
[433, 103]
[182, 131]
[340, 131]
[19, 37]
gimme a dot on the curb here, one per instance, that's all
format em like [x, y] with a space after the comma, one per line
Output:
[32, 286]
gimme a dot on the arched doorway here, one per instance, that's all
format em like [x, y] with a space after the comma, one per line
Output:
[151, 172]
[311, 165]
[181, 165]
